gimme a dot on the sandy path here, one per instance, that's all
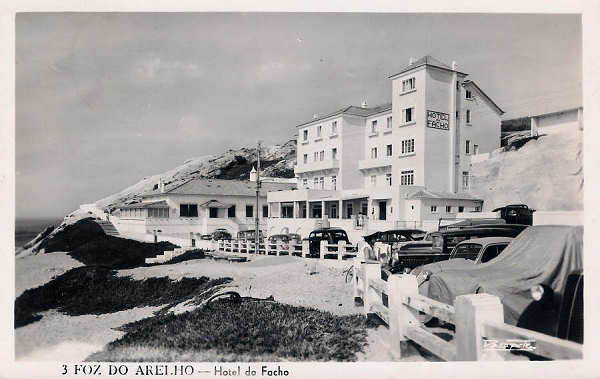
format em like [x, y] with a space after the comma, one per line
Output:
[286, 278]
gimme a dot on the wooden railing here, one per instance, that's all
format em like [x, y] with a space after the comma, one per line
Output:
[478, 318]
[338, 251]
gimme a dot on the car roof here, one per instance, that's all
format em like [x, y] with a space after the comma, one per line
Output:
[467, 231]
[404, 231]
[487, 240]
[328, 230]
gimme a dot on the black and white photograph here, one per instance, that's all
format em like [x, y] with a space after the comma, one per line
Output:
[271, 193]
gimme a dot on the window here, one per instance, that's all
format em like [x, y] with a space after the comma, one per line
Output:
[467, 145]
[478, 209]
[457, 85]
[188, 210]
[457, 115]
[322, 182]
[364, 208]
[407, 178]
[231, 211]
[158, 212]
[374, 126]
[349, 210]
[305, 158]
[303, 209]
[316, 182]
[461, 209]
[468, 116]
[408, 146]
[305, 183]
[448, 209]
[213, 212]
[373, 180]
[319, 130]
[334, 182]
[316, 210]
[373, 153]
[322, 155]
[334, 153]
[249, 210]
[408, 84]
[389, 122]
[388, 179]
[465, 180]
[388, 150]
[305, 134]
[467, 251]
[333, 210]
[475, 149]
[266, 210]
[316, 156]
[287, 210]
[492, 252]
[433, 209]
[408, 115]
[468, 94]
[334, 128]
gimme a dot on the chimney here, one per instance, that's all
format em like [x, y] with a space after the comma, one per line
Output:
[161, 185]
[315, 116]
[454, 66]
[253, 174]
[364, 104]
[411, 60]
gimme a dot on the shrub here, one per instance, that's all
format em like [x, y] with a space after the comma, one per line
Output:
[97, 290]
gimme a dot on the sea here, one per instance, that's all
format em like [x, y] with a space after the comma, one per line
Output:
[27, 228]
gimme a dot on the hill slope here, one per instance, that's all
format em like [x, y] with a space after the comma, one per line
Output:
[276, 161]
[546, 174]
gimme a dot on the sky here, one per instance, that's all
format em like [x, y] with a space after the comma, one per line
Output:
[105, 99]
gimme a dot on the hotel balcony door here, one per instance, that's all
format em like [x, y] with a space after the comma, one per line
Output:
[382, 210]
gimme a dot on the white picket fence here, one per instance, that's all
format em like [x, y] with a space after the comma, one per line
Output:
[340, 250]
[476, 318]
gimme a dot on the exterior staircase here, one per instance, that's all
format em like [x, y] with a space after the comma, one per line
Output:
[108, 228]
[166, 256]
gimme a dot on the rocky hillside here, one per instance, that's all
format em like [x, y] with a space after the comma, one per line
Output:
[276, 161]
[546, 174]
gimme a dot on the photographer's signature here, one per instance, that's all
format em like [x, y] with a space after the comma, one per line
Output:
[509, 344]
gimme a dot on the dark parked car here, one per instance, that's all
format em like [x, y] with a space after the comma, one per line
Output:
[221, 234]
[538, 278]
[516, 214]
[437, 246]
[250, 235]
[331, 235]
[390, 237]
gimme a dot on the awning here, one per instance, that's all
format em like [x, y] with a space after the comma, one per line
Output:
[215, 204]
[352, 196]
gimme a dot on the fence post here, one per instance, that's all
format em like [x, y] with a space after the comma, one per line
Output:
[402, 316]
[371, 271]
[305, 248]
[341, 250]
[323, 249]
[278, 248]
[355, 271]
[471, 311]
[291, 248]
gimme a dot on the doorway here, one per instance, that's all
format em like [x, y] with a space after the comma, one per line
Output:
[382, 210]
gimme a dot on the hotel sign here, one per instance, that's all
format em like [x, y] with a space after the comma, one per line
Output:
[438, 120]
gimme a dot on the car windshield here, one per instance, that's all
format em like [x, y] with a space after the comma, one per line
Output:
[466, 251]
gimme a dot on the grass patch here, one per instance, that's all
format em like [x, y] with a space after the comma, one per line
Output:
[248, 331]
[97, 290]
[86, 242]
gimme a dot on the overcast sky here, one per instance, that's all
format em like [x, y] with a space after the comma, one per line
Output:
[103, 100]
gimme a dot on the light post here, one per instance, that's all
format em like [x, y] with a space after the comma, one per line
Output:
[256, 221]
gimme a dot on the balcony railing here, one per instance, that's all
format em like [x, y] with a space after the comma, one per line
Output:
[365, 164]
[317, 166]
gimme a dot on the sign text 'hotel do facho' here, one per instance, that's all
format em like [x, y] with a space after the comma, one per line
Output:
[437, 120]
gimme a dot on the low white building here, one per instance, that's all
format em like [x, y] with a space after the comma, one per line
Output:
[400, 164]
[196, 207]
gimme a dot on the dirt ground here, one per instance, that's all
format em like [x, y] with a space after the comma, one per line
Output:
[291, 280]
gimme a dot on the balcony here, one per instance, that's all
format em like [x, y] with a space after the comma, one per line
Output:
[366, 164]
[317, 166]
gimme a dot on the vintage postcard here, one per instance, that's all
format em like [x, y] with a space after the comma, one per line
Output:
[272, 192]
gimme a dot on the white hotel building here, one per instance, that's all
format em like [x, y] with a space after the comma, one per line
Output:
[402, 164]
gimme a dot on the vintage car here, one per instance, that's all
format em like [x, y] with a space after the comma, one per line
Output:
[437, 246]
[537, 278]
[221, 234]
[250, 235]
[331, 235]
[466, 253]
[516, 214]
[285, 239]
[395, 236]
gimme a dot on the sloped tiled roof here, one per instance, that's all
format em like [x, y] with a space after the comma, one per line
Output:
[149, 204]
[353, 110]
[426, 60]
[203, 186]
[425, 194]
